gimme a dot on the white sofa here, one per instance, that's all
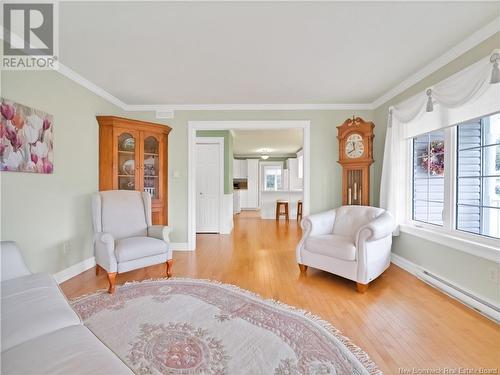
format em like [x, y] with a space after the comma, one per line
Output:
[41, 334]
[351, 241]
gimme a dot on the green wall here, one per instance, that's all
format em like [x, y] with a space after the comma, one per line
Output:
[468, 271]
[228, 155]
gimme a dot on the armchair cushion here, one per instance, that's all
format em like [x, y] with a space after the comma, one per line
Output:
[139, 247]
[350, 219]
[336, 246]
[123, 213]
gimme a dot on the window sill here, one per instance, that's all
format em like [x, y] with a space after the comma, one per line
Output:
[465, 245]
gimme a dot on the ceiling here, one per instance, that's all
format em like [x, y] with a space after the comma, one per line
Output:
[276, 142]
[167, 53]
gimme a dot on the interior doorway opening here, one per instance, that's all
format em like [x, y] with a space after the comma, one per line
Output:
[264, 162]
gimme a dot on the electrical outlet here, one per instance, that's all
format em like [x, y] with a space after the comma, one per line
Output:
[493, 275]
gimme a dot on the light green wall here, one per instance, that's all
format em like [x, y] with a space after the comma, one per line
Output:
[466, 270]
[228, 155]
[50, 215]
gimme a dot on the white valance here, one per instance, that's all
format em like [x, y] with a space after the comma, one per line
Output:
[471, 93]
[463, 96]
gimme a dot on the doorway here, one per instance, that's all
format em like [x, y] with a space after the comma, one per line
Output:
[195, 126]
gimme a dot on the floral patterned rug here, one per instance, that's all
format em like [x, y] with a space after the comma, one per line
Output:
[188, 326]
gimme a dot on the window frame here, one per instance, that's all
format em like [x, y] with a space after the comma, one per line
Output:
[447, 234]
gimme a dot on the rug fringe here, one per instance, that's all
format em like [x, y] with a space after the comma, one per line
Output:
[359, 353]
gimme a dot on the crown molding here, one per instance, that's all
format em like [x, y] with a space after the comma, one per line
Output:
[99, 91]
[250, 107]
[473, 40]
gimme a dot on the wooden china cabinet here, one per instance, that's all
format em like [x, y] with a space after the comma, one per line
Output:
[133, 155]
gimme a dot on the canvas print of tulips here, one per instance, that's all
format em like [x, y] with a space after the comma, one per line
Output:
[26, 139]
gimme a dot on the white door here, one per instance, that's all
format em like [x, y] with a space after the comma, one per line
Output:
[208, 187]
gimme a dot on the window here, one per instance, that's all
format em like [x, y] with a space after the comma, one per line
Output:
[478, 177]
[428, 178]
[272, 177]
[456, 178]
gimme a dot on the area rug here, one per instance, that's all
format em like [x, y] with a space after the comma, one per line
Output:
[188, 326]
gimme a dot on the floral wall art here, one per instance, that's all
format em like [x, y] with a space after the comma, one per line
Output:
[26, 139]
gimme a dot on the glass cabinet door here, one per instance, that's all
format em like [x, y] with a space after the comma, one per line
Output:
[126, 161]
[151, 166]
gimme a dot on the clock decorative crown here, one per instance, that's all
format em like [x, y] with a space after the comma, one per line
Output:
[355, 155]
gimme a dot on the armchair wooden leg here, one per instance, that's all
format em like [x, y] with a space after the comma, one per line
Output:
[170, 263]
[361, 287]
[303, 268]
[111, 279]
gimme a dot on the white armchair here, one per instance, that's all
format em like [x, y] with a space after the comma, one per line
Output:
[124, 238]
[351, 241]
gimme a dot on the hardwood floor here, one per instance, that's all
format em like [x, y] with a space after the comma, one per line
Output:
[400, 321]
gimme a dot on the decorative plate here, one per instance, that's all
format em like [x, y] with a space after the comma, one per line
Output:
[128, 167]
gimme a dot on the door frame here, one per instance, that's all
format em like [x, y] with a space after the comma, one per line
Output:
[193, 126]
[218, 141]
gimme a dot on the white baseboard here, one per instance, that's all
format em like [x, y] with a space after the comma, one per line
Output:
[74, 270]
[488, 308]
[405, 264]
[87, 264]
[180, 246]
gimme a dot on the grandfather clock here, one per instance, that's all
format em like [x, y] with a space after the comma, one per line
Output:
[355, 155]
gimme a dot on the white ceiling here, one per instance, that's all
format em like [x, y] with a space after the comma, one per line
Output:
[260, 52]
[276, 142]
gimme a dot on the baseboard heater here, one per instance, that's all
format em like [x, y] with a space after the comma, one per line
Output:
[485, 308]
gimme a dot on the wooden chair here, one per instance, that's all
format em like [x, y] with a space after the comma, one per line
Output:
[279, 205]
[299, 211]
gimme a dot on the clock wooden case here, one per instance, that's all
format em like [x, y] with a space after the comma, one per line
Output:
[355, 155]
[133, 155]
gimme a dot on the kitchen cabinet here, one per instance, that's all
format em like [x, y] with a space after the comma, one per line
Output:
[294, 181]
[252, 198]
[239, 168]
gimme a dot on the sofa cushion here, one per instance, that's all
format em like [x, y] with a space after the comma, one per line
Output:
[25, 283]
[70, 350]
[33, 313]
[349, 219]
[138, 247]
[332, 245]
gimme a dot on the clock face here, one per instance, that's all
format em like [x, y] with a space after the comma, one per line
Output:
[354, 147]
